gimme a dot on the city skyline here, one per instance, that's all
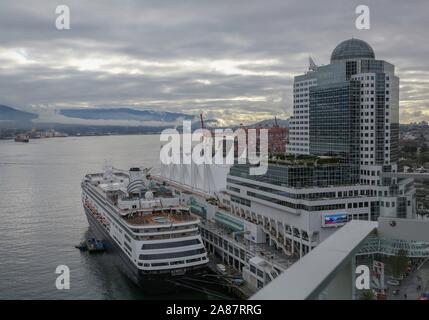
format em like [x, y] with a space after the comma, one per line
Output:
[233, 62]
[202, 153]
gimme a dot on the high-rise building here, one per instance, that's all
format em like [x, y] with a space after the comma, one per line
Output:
[331, 89]
[341, 158]
[350, 108]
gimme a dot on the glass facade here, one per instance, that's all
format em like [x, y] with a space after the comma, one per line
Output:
[379, 118]
[228, 221]
[300, 176]
[334, 121]
[372, 66]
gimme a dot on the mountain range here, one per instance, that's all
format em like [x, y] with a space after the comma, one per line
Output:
[105, 117]
[11, 114]
[124, 114]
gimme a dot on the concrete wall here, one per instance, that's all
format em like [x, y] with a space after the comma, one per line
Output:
[403, 229]
[340, 288]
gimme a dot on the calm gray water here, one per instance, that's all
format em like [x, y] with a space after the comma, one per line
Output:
[42, 216]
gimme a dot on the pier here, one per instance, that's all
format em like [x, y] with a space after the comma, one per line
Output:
[256, 264]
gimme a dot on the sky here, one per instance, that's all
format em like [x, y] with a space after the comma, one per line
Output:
[232, 60]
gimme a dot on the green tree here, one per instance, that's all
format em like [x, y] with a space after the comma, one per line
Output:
[398, 263]
[367, 295]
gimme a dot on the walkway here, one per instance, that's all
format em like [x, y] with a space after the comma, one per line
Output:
[409, 285]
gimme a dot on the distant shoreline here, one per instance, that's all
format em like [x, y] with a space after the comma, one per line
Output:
[89, 135]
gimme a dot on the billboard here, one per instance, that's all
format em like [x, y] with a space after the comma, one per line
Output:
[334, 220]
[254, 232]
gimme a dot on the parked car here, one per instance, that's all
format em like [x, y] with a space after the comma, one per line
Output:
[221, 268]
[393, 282]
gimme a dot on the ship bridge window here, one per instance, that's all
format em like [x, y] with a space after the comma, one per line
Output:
[162, 264]
[252, 269]
[170, 244]
[171, 255]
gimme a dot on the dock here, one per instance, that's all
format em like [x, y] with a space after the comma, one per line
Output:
[240, 291]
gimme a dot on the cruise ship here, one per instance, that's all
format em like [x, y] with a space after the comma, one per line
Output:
[154, 236]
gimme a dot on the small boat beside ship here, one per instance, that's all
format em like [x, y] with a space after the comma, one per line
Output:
[91, 245]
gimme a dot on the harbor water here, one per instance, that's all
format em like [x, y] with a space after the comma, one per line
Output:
[42, 217]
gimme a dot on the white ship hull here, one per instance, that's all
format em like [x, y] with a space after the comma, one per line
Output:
[153, 283]
[155, 246]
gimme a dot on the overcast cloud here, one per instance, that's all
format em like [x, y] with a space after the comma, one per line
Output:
[233, 60]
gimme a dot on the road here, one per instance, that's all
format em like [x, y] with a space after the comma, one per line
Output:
[409, 285]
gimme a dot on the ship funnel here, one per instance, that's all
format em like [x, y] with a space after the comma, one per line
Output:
[136, 181]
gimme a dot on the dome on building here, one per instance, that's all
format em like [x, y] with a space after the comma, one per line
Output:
[352, 49]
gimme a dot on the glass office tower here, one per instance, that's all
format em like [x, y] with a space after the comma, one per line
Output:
[342, 151]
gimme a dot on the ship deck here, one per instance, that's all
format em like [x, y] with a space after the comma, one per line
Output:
[157, 215]
[159, 218]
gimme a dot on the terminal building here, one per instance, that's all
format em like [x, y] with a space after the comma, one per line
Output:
[330, 271]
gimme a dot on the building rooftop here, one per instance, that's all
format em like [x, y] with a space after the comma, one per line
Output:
[304, 278]
[352, 49]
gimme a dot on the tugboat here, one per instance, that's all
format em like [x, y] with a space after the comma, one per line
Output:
[91, 245]
[22, 138]
[94, 245]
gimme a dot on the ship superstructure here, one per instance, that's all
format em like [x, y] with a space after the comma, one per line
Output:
[154, 234]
